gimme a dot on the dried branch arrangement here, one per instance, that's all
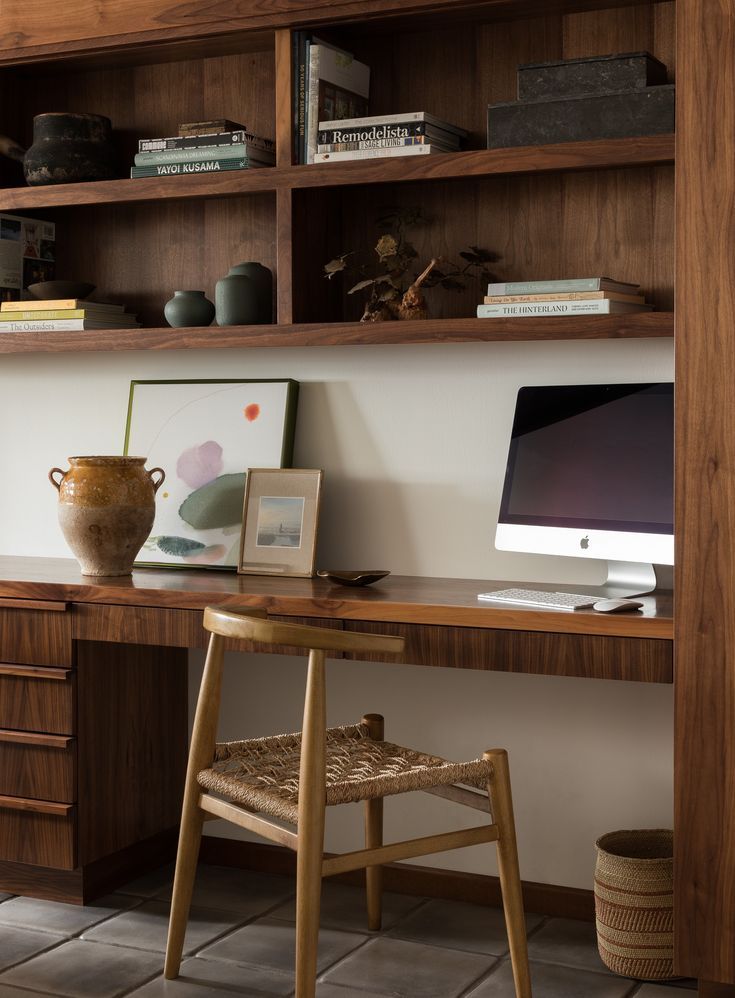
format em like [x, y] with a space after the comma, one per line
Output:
[396, 291]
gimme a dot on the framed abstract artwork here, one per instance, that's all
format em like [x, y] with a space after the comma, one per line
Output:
[280, 521]
[205, 435]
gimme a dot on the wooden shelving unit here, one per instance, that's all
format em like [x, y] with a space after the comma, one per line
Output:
[602, 154]
[646, 324]
[598, 207]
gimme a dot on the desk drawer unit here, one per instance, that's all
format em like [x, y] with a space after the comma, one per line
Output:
[37, 698]
[42, 767]
[37, 832]
[35, 632]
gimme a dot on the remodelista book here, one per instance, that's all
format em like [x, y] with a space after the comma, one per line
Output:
[548, 287]
[569, 307]
[389, 119]
[397, 131]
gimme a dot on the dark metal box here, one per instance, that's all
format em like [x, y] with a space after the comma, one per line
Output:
[606, 116]
[597, 75]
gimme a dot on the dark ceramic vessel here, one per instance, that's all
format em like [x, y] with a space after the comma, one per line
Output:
[188, 308]
[245, 296]
[69, 148]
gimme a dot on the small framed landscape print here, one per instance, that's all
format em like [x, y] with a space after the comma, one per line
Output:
[204, 434]
[279, 523]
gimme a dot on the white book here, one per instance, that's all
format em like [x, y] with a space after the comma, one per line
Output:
[61, 325]
[341, 157]
[328, 65]
[388, 119]
[569, 307]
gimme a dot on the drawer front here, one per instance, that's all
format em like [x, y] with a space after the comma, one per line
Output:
[35, 636]
[41, 833]
[37, 766]
[37, 698]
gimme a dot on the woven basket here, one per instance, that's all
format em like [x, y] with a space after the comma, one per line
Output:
[634, 903]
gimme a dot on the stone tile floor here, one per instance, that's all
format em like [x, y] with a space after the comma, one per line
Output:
[241, 943]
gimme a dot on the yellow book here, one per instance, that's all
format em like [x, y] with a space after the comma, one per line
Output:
[58, 303]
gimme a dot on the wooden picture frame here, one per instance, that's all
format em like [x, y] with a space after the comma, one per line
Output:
[279, 522]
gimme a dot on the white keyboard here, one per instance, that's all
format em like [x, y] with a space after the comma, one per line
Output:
[533, 597]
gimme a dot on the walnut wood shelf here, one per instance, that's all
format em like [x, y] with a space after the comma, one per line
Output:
[634, 326]
[563, 157]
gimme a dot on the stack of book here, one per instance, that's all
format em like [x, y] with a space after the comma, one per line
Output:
[203, 147]
[330, 84]
[63, 314]
[413, 133]
[578, 296]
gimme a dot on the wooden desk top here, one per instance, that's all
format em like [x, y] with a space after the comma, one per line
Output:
[401, 599]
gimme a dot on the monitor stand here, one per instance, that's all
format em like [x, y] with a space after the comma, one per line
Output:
[629, 578]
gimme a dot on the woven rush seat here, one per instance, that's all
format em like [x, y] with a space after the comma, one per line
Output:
[263, 773]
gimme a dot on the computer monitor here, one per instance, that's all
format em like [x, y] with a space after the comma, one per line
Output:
[590, 474]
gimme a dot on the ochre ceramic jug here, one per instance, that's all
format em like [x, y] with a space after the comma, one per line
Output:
[106, 510]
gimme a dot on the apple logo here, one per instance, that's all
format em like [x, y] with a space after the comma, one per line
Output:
[584, 543]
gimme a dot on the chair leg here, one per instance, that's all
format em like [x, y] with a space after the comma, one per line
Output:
[310, 852]
[374, 836]
[190, 836]
[501, 804]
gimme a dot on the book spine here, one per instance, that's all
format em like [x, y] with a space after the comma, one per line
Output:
[302, 87]
[312, 103]
[25, 306]
[199, 166]
[400, 130]
[416, 140]
[402, 117]
[545, 287]
[207, 142]
[565, 296]
[330, 157]
[568, 307]
[39, 325]
[220, 153]
[191, 141]
[52, 313]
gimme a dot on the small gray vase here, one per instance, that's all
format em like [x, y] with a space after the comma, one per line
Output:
[245, 296]
[188, 308]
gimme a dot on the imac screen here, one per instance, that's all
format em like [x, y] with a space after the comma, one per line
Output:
[593, 457]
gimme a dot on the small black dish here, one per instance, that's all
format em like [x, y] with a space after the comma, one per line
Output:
[358, 578]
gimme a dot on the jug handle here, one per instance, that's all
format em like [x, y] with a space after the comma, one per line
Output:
[11, 149]
[54, 471]
[161, 480]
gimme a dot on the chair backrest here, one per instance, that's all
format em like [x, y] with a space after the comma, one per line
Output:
[254, 627]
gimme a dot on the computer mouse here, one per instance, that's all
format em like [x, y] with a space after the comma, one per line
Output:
[616, 605]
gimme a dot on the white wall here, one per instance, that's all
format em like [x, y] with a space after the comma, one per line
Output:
[413, 442]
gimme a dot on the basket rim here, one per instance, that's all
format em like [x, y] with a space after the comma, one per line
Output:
[665, 836]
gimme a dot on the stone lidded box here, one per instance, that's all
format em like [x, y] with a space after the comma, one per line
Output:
[573, 119]
[596, 75]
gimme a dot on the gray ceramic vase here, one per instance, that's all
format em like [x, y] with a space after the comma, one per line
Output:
[188, 308]
[245, 296]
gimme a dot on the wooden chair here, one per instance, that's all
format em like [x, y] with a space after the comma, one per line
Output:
[293, 778]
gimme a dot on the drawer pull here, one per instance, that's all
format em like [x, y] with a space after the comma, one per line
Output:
[34, 738]
[36, 806]
[35, 672]
[33, 604]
